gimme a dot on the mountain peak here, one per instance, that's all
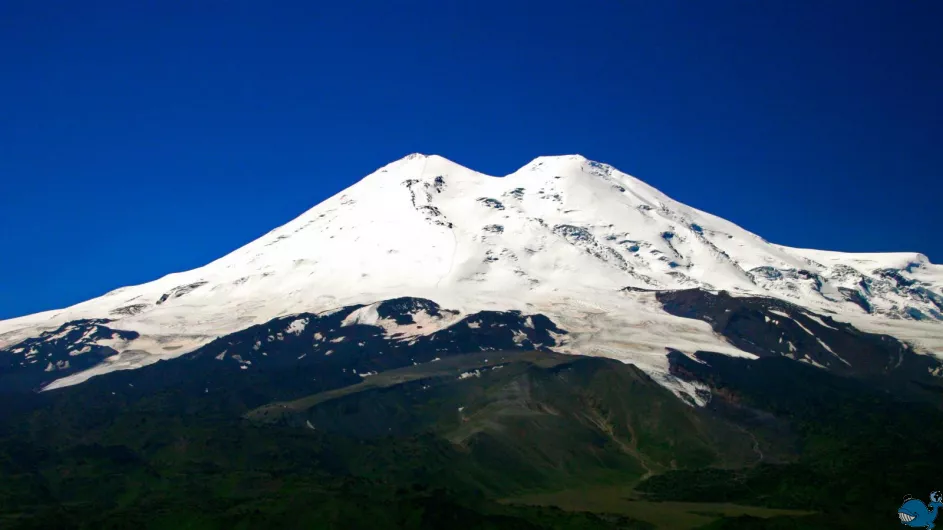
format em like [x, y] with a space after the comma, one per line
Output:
[422, 157]
[420, 161]
[555, 160]
[571, 157]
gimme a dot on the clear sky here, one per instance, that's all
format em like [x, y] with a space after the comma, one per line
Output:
[142, 138]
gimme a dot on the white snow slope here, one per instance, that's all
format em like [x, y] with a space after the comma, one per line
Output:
[561, 236]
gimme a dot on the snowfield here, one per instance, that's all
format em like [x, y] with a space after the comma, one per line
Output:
[562, 236]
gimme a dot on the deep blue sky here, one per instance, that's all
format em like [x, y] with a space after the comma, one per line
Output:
[142, 138]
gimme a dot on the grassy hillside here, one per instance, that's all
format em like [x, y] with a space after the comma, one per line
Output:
[522, 423]
[861, 448]
[560, 441]
[413, 448]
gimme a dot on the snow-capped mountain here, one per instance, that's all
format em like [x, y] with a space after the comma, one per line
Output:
[578, 241]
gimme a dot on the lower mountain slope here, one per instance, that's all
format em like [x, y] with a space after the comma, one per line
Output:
[523, 421]
[354, 416]
[861, 447]
[181, 457]
[406, 412]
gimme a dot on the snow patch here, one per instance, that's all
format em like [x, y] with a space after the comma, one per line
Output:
[84, 349]
[88, 333]
[115, 342]
[519, 337]
[62, 334]
[423, 322]
[366, 316]
[803, 327]
[819, 320]
[810, 361]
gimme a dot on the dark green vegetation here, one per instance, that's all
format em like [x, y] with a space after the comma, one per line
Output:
[272, 428]
[671, 515]
[86, 458]
[524, 421]
[395, 452]
[861, 450]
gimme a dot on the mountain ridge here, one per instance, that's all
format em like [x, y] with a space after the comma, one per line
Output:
[563, 236]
